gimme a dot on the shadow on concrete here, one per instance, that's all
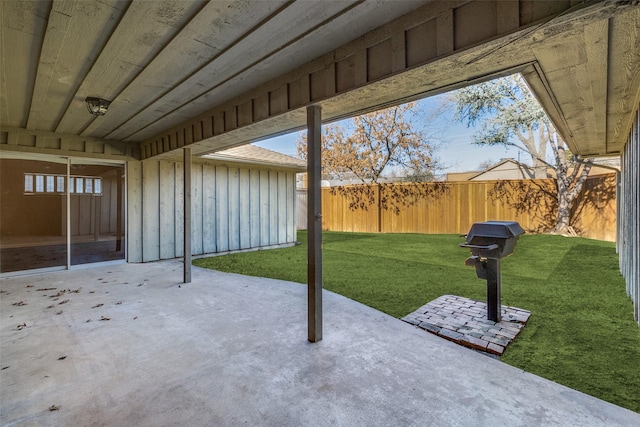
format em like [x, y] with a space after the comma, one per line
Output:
[129, 345]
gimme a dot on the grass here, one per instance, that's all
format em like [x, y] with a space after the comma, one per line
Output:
[581, 332]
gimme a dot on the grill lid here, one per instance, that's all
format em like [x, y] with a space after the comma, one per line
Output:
[495, 229]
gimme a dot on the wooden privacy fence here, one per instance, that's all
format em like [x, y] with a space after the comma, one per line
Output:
[451, 207]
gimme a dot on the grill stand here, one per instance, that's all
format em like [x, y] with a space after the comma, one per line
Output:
[494, 305]
[489, 269]
[489, 242]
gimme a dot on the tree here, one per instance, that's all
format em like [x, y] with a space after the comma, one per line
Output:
[378, 142]
[486, 164]
[507, 113]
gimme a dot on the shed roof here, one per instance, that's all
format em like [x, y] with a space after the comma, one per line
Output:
[252, 154]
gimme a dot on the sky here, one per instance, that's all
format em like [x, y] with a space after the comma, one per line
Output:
[457, 154]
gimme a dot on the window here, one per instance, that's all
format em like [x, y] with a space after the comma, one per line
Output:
[28, 183]
[39, 183]
[55, 184]
[50, 184]
[60, 185]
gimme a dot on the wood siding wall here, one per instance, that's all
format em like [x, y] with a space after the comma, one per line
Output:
[451, 207]
[629, 227]
[86, 210]
[233, 208]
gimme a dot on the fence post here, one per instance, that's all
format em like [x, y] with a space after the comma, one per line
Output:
[379, 210]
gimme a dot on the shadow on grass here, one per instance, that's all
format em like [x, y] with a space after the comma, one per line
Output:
[581, 332]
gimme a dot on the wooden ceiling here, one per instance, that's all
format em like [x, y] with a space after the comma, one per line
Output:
[220, 73]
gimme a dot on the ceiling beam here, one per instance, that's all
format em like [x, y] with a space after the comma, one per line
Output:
[146, 28]
[57, 27]
[624, 84]
[432, 48]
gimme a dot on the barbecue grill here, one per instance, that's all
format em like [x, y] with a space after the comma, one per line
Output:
[489, 242]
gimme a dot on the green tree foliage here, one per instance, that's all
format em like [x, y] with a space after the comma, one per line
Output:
[505, 112]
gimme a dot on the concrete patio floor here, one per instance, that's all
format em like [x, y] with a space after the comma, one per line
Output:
[232, 350]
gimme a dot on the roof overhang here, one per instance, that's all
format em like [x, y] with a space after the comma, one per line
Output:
[212, 75]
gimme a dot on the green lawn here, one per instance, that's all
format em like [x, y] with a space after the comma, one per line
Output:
[581, 332]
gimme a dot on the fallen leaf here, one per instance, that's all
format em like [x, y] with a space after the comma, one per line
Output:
[88, 320]
[5, 367]
[63, 302]
[119, 302]
[29, 286]
[24, 325]
[62, 357]
[98, 305]
[105, 318]
[59, 312]
[135, 317]
[51, 306]
[19, 303]
[54, 408]
[46, 289]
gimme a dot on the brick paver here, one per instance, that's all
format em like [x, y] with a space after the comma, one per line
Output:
[464, 321]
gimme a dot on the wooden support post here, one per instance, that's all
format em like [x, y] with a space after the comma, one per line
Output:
[314, 223]
[187, 214]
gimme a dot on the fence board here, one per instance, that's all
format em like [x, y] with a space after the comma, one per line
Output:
[451, 207]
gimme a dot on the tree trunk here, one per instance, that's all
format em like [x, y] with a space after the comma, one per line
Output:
[568, 194]
[539, 168]
[564, 212]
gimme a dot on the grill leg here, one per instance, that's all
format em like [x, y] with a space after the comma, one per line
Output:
[494, 307]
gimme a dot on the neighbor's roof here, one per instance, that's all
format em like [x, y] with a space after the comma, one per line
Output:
[251, 154]
[461, 176]
[498, 165]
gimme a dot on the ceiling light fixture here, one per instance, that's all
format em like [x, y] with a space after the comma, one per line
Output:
[97, 106]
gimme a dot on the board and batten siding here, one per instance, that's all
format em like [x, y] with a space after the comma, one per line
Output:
[233, 208]
[629, 216]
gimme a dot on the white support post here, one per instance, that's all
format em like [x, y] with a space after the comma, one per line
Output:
[187, 214]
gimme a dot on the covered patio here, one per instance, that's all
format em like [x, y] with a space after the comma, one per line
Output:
[131, 345]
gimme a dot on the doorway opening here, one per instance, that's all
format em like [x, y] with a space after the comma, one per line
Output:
[59, 212]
